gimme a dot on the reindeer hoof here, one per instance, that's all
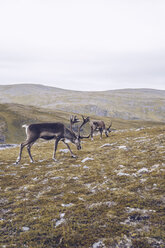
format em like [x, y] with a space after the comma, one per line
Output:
[74, 156]
[17, 161]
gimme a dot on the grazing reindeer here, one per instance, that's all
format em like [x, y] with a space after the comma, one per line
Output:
[99, 126]
[49, 131]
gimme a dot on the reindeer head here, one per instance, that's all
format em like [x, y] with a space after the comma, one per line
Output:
[108, 130]
[76, 138]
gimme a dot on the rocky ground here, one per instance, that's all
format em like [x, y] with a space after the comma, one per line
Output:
[111, 195]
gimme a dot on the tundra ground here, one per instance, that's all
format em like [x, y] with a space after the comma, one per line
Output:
[111, 195]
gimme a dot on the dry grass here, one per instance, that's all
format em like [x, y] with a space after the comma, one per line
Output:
[114, 199]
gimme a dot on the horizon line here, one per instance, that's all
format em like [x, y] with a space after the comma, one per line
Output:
[50, 86]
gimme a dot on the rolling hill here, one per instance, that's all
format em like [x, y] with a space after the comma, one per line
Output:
[13, 116]
[110, 195]
[128, 104]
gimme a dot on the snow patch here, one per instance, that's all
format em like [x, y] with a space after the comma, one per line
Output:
[143, 170]
[122, 147]
[98, 244]
[45, 181]
[123, 174]
[81, 199]
[85, 167]
[35, 179]
[142, 211]
[67, 205]
[25, 228]
[76, 165]
[56, 178]
[99, 204]
[114, 189]
[155, 166]
[107, 144]
[139, 129]
[64, 150]
[75, 178]
[121, 166]
[61, 221]
[86, 159]
[7, 146]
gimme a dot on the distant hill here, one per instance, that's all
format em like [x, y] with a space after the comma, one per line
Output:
[13, 116]
[128, 104]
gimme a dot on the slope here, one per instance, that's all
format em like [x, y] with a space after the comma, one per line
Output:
[112, 195]
[143, 104]
[13, 116]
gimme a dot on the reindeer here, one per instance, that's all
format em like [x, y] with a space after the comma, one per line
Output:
[99, 125]
[49, 131]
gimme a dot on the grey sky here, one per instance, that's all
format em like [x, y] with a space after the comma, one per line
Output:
[83, 44]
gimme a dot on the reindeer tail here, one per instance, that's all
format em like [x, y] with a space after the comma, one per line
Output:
[25, 126]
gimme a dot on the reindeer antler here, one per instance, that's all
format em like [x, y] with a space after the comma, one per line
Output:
[85, 120]
[73, 120]
[110, 125]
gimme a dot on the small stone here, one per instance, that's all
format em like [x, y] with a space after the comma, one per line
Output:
[25, 228]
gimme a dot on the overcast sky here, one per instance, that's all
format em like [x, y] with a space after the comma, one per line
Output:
[83, 44]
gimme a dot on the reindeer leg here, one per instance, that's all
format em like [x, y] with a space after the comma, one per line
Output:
[73, 156]
[101, 131]
[55, 148]
[28, 149]
[20, 153]
[92, 133]
[25, 143]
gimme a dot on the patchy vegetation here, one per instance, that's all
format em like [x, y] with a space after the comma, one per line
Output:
[128, 104]
[112, 195]
[13, 116]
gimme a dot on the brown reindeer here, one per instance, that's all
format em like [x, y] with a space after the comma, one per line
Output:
[49, 131]
[99, 125]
